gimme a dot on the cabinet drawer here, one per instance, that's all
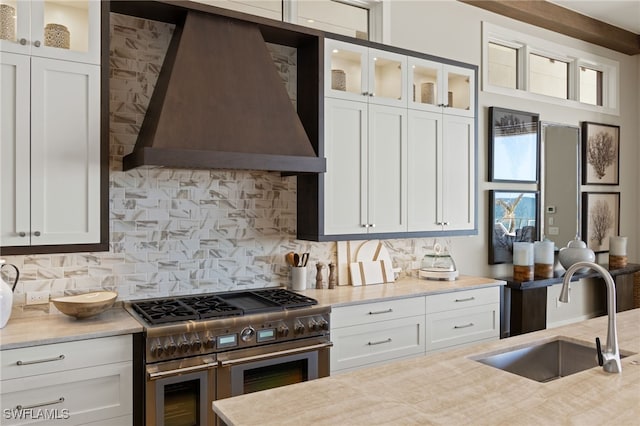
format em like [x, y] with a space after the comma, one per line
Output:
[462, 299]
[25, 362]
[372, 343]
[73, 397]
[445, 329]
[368, 313]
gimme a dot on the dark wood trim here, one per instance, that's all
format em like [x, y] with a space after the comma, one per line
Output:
[528, 311]
[564, 21]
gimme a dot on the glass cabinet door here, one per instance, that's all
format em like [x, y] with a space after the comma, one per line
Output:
[387, 78]
[14, 26]
[345, 70]
[425, 85]
[460, 89]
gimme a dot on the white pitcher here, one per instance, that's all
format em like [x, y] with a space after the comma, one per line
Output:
[6, 295]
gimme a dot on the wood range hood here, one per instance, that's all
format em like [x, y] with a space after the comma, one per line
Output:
[219, 103]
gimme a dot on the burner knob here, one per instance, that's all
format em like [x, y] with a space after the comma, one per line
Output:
[183, 346]
[247, 334]
[170, 347]
[156, 349]
[313, 325]
[283, 330]
[196, 344]
[298, 327]
[323, 324]
[210, 342]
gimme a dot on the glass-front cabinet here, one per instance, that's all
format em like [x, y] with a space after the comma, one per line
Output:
[58, 29]
[364, 74]
[438, 87]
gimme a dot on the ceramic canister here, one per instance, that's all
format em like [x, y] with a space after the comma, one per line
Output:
[6, 294]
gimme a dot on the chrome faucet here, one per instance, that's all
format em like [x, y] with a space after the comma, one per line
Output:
[609, 359]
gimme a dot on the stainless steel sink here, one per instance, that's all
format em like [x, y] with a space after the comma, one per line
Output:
[545, 361]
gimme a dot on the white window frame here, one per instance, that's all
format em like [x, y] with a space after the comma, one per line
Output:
[526, 44]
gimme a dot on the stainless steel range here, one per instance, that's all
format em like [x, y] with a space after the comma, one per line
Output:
[205, 347]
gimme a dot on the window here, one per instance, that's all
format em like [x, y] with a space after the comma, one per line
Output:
[335, 17]
[517, 64]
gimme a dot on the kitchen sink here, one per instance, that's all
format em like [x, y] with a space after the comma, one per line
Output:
[545, 361]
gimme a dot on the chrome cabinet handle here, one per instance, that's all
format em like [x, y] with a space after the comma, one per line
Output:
[380, 312]
[22, 234]
[372, 225]
[379, 342]
[36, 43]
[468, 299]
[22, 41]
[38, 361]
[37, 233]
[365, 225]
[464, 326]
[41, 404]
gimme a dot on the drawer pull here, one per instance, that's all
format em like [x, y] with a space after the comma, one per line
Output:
[38, 361]
[42, 404]
[468, 299]
[379, 342]
[380, 312]
[464, 326]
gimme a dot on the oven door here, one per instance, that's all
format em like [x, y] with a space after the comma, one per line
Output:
[180, 393]
[250, 370]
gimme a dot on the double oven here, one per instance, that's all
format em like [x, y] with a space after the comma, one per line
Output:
[205, 347]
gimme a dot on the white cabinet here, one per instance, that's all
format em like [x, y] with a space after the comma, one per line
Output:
[363, 74]
[438, 87]
[441, 172]
[374, 333]
[462, 317]
[77, 382]
[50, 151]
[43, 27]
[365, 182]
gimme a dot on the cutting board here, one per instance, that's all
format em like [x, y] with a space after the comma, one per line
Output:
[346, 254]
[376, 251]
[369, 272]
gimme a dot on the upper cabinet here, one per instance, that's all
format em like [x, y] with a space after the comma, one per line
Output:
[58, 29]
[438, 87]
[364, 74]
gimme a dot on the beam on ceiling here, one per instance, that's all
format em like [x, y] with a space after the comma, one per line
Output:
[564, 21]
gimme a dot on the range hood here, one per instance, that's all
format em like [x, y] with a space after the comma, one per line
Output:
[219, 103]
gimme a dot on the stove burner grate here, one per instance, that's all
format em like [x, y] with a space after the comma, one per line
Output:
[286, 298]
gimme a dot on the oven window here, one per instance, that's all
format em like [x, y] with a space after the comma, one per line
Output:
[182, 403]
[273, 376]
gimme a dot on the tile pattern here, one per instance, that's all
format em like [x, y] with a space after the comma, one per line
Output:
[175, 231]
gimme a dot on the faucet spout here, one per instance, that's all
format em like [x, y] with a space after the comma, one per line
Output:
[611, 354]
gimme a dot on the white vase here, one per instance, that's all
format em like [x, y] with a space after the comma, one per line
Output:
[6, 295]
[576, 251]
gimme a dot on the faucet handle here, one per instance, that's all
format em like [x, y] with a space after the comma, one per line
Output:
[599, 352]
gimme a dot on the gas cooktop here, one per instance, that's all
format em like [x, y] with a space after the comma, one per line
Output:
[219, 305]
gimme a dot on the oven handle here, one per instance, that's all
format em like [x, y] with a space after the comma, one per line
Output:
[174, 372]
[275, 354]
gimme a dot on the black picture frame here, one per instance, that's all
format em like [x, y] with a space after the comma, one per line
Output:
[513, 223]
[600, 219]
[514, 146]
[600, 154]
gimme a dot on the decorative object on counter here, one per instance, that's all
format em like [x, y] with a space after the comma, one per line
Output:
[576, 251]
[6, 294]
[543, 259]
[299, 278]
[617, 252]
[600, 219]
[513, 217]
[450, 99]
[319, 279]
[338, 80]
[56, 35]
[600, 154]
[427, 93]
[438, 265]
[85, 305]
[523, 261]
[7, 22]
[513, 146]
[332, 275]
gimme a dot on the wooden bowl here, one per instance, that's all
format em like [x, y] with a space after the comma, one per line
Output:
[85, 305]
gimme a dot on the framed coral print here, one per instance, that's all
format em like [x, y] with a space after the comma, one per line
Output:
[600, 154]
[514, 146]
[600, 219]
[513, 217]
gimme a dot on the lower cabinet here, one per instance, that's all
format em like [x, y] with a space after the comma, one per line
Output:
[71, 383]
[374, 333]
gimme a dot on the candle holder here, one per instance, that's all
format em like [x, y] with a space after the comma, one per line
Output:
[543, 259]
[617, 252]
[523, 261]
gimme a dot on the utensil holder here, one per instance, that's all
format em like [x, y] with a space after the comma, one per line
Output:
[299, 278]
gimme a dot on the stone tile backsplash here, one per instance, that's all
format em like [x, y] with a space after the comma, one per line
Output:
[175, 231]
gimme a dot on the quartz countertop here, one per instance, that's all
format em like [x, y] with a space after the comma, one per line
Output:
[403, 288]
[449, 388]
[58, 328]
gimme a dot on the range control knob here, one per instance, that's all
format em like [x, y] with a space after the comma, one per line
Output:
[196, 344]
[170, 347]
[183, 345]
[283, 330]
[323, 324]
[210, 342]
[313, 325]
[156, 349]
[298, 327]
[247, 334]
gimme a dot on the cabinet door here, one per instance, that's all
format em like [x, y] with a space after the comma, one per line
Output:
[387, 192]
[16, 38]
[346, 71]
[459, 85]
[68, 30]
[423, 197]
[425, 85]
[345, 192]
[15, 165]
[65, 152]
[458, 173]
[387, 78]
